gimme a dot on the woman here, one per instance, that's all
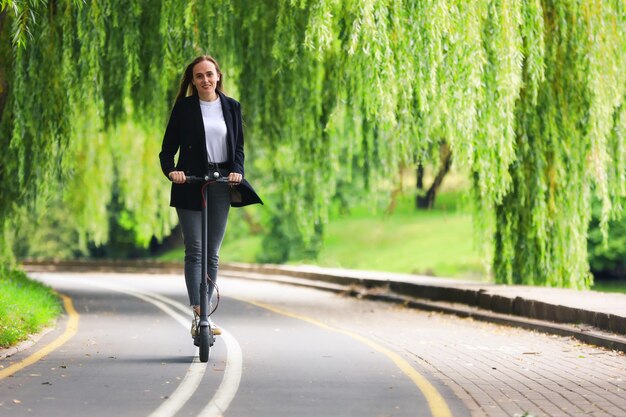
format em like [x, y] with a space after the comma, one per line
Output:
[205, 128]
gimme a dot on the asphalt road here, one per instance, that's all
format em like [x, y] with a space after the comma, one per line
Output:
[289, 351]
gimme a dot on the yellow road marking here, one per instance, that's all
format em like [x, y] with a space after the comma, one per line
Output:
[70, 331]
[437, 404]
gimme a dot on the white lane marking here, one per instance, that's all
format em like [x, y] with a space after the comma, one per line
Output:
[186, 310]
[183, 392]
[232, 371]
[192, 378]
[234, 362]
[182, 320]
[230, 383]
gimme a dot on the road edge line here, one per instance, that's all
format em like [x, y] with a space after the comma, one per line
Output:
[230, 381]
[436, 403]
[70, 330]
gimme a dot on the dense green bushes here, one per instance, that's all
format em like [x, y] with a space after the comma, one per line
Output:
[607, 260]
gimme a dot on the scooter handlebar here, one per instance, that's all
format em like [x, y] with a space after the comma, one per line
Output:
[194, 178]
[206, 178]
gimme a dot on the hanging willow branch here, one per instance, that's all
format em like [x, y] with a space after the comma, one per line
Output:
[528, 94]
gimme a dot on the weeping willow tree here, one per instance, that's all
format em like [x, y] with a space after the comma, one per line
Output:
[85, 92]
[336, 95]
[569, 141]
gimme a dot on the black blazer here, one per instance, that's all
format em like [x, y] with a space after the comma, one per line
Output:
[185, 134]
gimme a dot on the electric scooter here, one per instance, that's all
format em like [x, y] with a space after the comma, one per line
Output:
[205, 338]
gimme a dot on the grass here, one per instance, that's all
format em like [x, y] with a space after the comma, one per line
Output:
[610, 286]
[26, 306]
[436, 242]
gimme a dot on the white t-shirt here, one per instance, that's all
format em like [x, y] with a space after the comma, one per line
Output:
[214, 130]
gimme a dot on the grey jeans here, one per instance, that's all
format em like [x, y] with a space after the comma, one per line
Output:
[218, 205]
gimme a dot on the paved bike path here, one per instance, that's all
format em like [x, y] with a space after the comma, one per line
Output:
[128, 358]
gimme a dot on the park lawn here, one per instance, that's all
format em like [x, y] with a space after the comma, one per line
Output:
[26, 306]
[439, 242]
[431, 243]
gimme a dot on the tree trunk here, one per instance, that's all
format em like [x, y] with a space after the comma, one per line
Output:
[420, 177]
[445, 156]
[395, 194]
[174, 240]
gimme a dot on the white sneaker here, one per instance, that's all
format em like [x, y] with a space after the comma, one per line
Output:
[194, 325]
[217, 330]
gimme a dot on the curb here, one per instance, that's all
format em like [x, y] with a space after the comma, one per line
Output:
[472, 300]
[145, 266]
[26, 344]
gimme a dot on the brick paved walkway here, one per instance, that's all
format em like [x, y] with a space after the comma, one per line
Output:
[501, 371]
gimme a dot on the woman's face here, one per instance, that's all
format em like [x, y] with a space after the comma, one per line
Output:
[205, 78]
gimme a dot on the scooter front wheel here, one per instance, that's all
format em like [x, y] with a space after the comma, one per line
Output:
[205, 343]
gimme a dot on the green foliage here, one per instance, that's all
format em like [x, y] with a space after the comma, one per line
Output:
[610, 286]
[26, 306]
[607, 258]
[528, 93]
[84, 114]
[45, 234]
[568, 146]
[283, 242]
